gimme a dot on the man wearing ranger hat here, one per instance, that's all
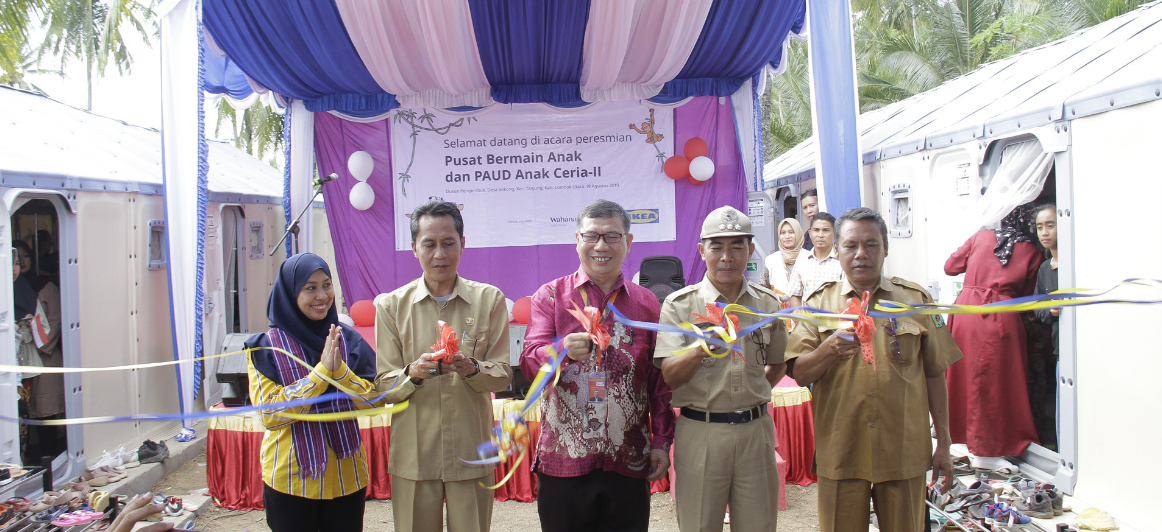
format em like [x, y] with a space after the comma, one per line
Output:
[724, 445]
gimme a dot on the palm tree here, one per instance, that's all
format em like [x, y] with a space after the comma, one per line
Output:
[90, 31]
[787, 111]
[257, 129]
[905, 47]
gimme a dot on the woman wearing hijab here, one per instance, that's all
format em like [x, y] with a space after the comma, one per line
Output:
[988, 398]
[314, 472]
[777, 268]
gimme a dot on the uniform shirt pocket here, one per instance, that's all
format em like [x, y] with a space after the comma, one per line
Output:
[904, 346]
[474, 345]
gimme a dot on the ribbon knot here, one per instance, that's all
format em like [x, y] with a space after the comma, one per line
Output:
[590, 319]
[864, 326]
[448, 345]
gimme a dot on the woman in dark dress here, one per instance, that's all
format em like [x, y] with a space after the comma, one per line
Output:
[987, 393]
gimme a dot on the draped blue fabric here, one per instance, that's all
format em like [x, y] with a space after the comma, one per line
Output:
[224, 77]
[531, 49]
[739, 38]
[299, 49]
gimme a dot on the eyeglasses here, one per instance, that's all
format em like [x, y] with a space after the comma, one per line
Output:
[610, 238]
[757, 338]
[890, 327]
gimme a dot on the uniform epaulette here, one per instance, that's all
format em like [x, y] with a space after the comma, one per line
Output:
[763, 289]
[821, 288]
[912, 285]
[682, 291]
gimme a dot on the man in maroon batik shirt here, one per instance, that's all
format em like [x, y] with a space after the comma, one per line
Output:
[607, 426]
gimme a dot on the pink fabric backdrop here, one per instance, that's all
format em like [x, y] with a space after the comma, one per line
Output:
[368, 266]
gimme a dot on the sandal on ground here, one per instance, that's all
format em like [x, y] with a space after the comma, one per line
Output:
[78, 517]
[99, 501]
[20, 504]
[48, 515]
[173, 506]
[14, 470]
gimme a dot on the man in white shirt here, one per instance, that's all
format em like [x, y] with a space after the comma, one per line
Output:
[818, 265]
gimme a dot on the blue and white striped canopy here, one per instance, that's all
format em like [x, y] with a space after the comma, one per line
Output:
[364, 58]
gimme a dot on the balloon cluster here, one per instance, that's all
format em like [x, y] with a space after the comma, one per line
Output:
[360, 165]
[695, 165]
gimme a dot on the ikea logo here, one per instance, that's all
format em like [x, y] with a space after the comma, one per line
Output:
[643, 216]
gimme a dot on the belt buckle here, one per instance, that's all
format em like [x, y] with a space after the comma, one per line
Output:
[747, 414]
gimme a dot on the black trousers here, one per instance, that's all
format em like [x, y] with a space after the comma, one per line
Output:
[599, 501]
[290, 513]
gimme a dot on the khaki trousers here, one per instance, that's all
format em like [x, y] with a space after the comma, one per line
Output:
[843, 504]
[418, 505]
[719, 464]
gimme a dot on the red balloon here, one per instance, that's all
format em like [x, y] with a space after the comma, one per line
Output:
[363, 312]
[695, 147]
[697, 182]
[521, 308]
[677, 167]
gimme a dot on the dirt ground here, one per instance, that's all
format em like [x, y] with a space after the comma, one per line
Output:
[509, 516]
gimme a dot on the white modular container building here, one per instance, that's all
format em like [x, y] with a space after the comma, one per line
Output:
[1078, 121]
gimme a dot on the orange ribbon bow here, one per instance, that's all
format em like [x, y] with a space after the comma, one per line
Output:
[864, 326]
[448, 345]
[715, 316]
[590, 319]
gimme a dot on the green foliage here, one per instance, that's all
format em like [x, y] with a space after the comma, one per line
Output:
[906, 47]
[75, 30]
[257, 131]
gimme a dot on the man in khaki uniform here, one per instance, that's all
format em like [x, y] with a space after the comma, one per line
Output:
[450, 410]
[724, 445]
[871, 422]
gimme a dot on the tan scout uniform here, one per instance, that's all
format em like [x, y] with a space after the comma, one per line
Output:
[720, 463]
[871, 425]
[447, 416]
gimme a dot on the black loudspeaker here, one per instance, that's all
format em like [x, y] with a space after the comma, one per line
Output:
[662, 275]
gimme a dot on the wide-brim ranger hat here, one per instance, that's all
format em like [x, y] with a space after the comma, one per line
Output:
[726, 221]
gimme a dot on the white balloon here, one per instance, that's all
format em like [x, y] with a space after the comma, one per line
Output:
[379, 298]
[508, 303]
[701, 168]
[362, 196]
[346, 320]
[637, 278]
[360, 165]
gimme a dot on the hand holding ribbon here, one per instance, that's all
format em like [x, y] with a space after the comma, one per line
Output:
[590, 319]
[864, 326]
[448, 345]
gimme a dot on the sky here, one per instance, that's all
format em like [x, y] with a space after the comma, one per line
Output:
[134, 98]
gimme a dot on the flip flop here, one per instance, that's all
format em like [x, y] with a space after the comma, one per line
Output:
[78, 517]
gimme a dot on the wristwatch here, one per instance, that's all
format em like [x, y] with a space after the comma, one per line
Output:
[477, 372]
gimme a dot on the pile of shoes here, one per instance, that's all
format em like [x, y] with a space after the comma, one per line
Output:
[1003, 504]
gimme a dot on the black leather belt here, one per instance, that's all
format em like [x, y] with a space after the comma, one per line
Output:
[733, 418]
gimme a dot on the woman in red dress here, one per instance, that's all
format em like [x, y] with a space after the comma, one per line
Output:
[987, 394]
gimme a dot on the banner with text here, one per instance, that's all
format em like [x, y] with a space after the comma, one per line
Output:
[521, 173]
